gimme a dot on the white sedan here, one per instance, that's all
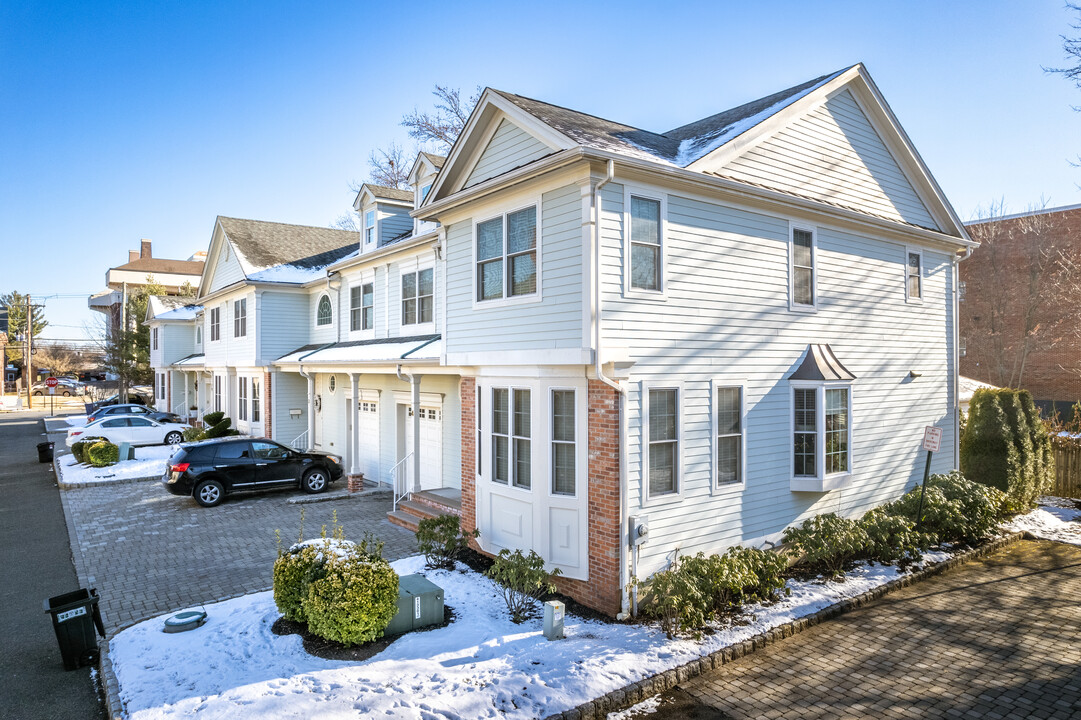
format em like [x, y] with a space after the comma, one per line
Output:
[135, 430]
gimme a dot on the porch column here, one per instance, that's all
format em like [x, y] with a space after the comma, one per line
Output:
[355, 479]
[187, 402]
[311, 412]
[416, 433]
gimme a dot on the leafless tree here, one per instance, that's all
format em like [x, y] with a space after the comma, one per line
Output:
[1071, 46]
[1031, 279]
[347, 221]
[59, 359]
[390, 166]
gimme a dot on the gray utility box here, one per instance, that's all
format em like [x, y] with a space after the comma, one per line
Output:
[420, 604]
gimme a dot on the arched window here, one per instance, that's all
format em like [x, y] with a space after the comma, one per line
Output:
[323, 316]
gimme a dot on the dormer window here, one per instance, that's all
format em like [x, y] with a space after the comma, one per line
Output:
[424, 193]
[324, 315]
[369, 227]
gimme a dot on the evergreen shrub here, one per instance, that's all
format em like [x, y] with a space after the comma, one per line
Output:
[102, 454]
[828, 542]
[78, 449]
[891, 538]
[954, 509]
[217, 425]
[442, 541]
[523, 580]
[296, 568]
[354, 600]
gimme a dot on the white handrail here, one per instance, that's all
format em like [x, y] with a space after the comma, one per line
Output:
[300, 442]
[399, 478]
[179, 408]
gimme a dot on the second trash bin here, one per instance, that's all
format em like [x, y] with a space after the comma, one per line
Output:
[75, 615]
[45, 452]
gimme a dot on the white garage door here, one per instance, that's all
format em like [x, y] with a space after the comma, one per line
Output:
[368, 440]
[431, 447]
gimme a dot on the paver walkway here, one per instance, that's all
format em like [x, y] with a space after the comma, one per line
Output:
[150, 552]
[996, 638]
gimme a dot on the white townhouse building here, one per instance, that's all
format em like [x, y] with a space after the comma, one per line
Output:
[588, 329]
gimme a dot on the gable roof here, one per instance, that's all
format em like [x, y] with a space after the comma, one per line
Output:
[437, 160]
[170, 307]
[680, 146]
[381, 192]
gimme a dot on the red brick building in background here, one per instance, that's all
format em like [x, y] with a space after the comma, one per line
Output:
[1020, 310]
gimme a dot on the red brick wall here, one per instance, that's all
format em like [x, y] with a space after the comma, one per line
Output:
[268, 416]
[1050, 373]
[602, 590]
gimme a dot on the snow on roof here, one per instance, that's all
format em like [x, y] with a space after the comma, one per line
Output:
[382, 350]
[172, 307]
[195, 360]
[295, 274]
[966, 386]
[262, 245]
[187, 312]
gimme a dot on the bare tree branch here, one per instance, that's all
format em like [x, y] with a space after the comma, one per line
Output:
[390, 166]
[348, 221]
[443, 126]
[1071, 46]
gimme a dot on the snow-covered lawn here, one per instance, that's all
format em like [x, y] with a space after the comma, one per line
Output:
[482, 665]
[1057, 519]
[149, 462]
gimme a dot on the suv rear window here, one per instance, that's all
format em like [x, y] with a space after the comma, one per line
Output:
[234, 451]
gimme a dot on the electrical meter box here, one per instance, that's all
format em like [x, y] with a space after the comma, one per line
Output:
[420, 604]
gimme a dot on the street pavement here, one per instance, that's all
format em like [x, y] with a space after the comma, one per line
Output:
[36, 565]
[995, 638]
[149, 552]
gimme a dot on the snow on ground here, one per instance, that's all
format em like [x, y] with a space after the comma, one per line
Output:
[149, 462]
[482, 665]
[1057, 519]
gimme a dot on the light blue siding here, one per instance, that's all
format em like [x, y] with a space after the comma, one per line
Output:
[283, 325]
[289, 391]
[230, 350]
[726, 316]
[834, 154]
[509, 148]
[395, 221]
[227, 269]
[553, 322]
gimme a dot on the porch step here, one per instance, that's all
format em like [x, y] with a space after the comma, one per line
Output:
[442, 501]
[404, 519]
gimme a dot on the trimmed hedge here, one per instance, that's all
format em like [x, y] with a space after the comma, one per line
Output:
[102, 454]
[354, 600]
[78, 449]
[296, 568]
[1006, 446]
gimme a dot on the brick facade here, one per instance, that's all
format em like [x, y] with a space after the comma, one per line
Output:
[1051, 373]
[602, 590]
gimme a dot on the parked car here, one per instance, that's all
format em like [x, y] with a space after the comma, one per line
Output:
[132, 409]
[133, 429]
[133, 399]
[64, 387]
[211, 469]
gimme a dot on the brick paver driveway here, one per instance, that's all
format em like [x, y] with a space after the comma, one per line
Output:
[150, 552]
[996, 638]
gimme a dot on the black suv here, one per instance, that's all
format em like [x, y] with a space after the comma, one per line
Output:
[212, 469]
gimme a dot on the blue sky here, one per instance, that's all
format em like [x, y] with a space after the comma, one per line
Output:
[122, 121]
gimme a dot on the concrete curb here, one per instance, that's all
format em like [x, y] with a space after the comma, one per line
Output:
[103, 483]
[636, 692]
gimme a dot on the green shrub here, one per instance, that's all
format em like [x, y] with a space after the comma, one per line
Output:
[1006, 446]
[720, 579]
[828, 542]
[767, 569]
[103, 453]
[954, 509]
[354, 600]
[193, 434]
[891, 538]
[523, 580]
[442, 541]
[78, 449]
[296, 568]
[676, 599]
[216, 425]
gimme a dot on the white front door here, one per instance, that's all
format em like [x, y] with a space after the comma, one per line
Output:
[368, 439]
[431, 447]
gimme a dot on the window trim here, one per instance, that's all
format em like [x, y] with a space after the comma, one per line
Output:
[630, 190]
[374, 212]
[154, 339]
[677, 496]
[217, 393]
[504, 300]
[319, 302]
[215, 323]
[552, 390]
[511, 460]
[918, 300]
[356, 312]
[240, 319]
[417, 270]
[242, 399]
[792, 304]
[256, 402]
[715, 384]
[820, 481]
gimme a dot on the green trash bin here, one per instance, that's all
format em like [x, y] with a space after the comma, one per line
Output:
[75, 615]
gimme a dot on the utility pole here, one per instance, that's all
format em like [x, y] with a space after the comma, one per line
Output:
[29, 382]
[3, 365]
[122, 390]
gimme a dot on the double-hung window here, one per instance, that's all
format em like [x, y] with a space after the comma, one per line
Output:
[242, 398]
[362, 307]
[821, 436]
[256, 387]
[417, 293]
[240, 317]
[646, 255]
[215, 323]
[324, 314]
[662, 441]
[154, 339]
[728, 416]
[564, 455]
[511, 437]
[802, 268]
[914, 275]
[217, 393]
[507, 255]
[369, 227]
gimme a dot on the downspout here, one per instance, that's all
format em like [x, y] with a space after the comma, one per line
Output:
[624, 580]
[957, 356]
[414, 382]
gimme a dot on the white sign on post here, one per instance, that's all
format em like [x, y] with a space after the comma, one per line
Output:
[932, 438]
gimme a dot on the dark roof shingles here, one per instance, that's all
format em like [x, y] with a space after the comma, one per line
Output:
[266, 244]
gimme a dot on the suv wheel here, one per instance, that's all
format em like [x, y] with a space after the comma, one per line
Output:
[209, 493]
[315, 481]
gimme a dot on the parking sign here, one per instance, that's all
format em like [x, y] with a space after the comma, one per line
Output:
[932, 438]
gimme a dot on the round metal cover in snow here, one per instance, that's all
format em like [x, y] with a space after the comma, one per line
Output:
[188, 620]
